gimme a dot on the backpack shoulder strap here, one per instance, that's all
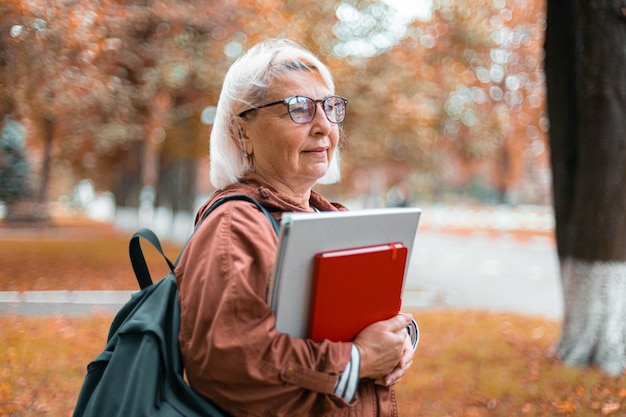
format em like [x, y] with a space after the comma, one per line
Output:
[242, 197]
[138, 261]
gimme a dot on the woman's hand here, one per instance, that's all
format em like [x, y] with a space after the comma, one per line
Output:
[383, 348]
[403, 366]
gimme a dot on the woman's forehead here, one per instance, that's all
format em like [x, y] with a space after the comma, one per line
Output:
[298, 83]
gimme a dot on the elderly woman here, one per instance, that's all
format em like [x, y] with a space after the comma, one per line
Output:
[275, 136]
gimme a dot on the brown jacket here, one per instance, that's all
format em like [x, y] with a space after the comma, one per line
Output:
[232, 352]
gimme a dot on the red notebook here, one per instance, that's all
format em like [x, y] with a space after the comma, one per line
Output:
[354, 288]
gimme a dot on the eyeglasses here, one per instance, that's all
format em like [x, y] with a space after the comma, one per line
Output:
[302, 109]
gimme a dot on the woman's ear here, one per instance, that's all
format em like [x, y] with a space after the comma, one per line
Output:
[244, 142]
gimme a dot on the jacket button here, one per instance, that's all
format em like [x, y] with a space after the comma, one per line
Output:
[288, 374]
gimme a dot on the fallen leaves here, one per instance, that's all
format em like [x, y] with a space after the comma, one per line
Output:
[564, 407]
[476, 363]
[610, 408]
[44, 361]
[59, 265]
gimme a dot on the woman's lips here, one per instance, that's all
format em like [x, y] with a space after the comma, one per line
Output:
[319, 151]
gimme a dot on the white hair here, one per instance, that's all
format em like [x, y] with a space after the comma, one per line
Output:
[245, 85]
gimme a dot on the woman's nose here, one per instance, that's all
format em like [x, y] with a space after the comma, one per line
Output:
[320, 121]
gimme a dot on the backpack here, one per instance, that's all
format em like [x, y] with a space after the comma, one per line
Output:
[140, 371]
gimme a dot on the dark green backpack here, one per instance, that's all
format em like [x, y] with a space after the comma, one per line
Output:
[140, 371]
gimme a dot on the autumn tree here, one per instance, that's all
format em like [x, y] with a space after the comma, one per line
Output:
[457, 97]
[145, 127]
[120, 86]
[37, 62]
[114, 90]
[586, 84]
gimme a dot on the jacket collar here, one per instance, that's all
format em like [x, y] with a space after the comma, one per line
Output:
[256, 187]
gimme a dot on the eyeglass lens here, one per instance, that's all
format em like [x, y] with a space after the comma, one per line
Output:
[302, 109]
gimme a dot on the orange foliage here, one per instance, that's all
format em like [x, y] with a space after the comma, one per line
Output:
[458, 99]
[468, 363]
[44, 361]
[36, 260]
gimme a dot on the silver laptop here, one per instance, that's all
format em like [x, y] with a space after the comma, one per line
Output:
[302, 235]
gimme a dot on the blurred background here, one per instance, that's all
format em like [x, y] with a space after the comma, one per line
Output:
[106, 106]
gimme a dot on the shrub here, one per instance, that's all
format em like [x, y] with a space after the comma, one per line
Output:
[14, 167]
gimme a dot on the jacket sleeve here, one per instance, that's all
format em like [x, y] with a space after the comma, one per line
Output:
[232, 351]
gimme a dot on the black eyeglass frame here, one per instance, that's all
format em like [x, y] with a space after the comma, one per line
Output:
[285, 101]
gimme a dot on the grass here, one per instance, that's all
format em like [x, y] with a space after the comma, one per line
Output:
[44, 361]
[473, 363]
[92, 259]
[468, 363]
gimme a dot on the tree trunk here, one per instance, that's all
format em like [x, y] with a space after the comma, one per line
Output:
[178, 164]
[595, 303]
[586, 84]
[48, 137]
[177, 184]
[39, 207]
[128, 184]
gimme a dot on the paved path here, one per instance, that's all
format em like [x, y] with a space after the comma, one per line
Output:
[447, 270]
[76, 303]
[483, 272]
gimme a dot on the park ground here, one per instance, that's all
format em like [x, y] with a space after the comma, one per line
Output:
[469, 363]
